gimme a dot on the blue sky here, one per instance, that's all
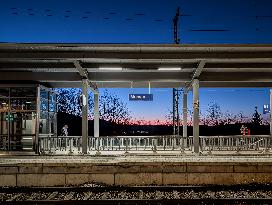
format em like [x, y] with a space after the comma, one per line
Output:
[233, 100]
[107, 21]
[28, 21]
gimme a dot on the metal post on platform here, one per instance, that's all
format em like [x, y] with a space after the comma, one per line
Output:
[270, 112]
[196, 115]
[96, 114]
[184, 115]
[96, 121]
[85, 109]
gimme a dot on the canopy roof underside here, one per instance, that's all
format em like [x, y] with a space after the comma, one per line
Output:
[160, 65]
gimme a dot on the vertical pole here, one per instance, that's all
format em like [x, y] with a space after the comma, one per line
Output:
[174, 112]
[96, 114]
[270, 112]
[196, 115]
[85, 108]
[38, 111]
[184, 114]
[177, 110]
[96, 122]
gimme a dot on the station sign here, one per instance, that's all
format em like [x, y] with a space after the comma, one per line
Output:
[140, 97]
[266, 109]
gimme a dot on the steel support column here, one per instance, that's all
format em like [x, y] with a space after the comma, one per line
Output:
[96, 114]
[184, 113]
[85, 108]
[270, 112]
[38, 112]
[196, 115]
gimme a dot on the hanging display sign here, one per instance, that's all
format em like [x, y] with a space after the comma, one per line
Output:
[266, 109]
[140, 97]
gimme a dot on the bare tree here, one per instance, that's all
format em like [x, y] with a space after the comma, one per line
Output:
[256, 118]
[228, 118]
[113, 109]
[240, 118]
[69, 101]
[214, 114]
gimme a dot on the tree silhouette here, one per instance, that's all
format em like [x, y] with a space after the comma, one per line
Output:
[68, 101]
[256, 118]
[228, 118]
[213, 114]
[111, 108]
[169, 118]
[240, 118]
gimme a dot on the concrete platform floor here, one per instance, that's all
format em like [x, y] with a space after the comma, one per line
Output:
[130, 159]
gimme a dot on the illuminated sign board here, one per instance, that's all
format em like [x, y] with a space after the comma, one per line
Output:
[140, 97]
[266, 109]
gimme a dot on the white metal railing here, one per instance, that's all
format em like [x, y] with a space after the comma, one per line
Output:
[49, 144]
[138, 143]
[236, 143]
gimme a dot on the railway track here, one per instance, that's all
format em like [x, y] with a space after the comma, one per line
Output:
[253, 194]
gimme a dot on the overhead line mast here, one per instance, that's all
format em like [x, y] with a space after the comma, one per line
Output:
[176, 91]
[175, 23]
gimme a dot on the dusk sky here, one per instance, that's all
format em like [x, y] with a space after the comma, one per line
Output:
[142, 21]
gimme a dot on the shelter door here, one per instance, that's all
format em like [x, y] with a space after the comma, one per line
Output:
[17, 131]
[4, 131]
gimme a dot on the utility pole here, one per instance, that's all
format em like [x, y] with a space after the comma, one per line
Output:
[176, 91]
[175, 23]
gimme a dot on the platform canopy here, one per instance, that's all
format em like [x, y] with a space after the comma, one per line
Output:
[137, 65]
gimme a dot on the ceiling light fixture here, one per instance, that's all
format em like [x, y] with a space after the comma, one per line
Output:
[169, 68]
[110, 68]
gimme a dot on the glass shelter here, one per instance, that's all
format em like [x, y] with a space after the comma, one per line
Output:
[26, 111]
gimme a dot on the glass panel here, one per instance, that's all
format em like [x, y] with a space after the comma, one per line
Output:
[17, 121]
[52, 117]
[52, 97]
[43, 125]
[52, 107]
[52, 102]
[22, 130]
[4, 92]
[23, 104]
[23, 92]
[30, 104]
[3, 131]
[15, 136]
[44, 94]
[44, 105]
[4, 104]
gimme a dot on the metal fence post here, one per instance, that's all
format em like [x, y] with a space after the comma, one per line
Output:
[154, 146]
[97, 146]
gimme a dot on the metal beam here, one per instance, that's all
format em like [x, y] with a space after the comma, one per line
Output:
[82, 71]
[199, 69]
[196, 74]
[84, 74]
[88, 62]
[153, 54]
[170, 77]
[144, 84]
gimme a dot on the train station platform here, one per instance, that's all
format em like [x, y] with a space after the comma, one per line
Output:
[134, 170]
